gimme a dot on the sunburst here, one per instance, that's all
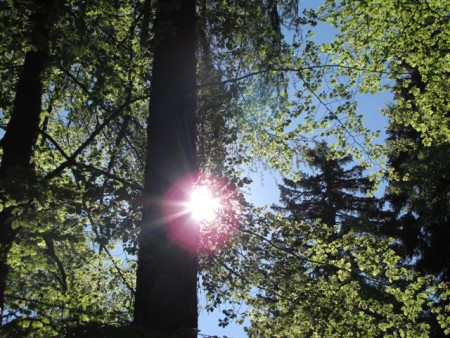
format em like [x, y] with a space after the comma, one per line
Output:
[202, 204]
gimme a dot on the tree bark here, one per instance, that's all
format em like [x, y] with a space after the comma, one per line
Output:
[166, 291]
[22, 130]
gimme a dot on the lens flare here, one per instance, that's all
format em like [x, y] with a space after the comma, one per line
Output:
[202, 205]
[200, 214]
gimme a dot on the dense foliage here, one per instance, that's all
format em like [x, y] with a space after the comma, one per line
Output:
[323, 267]
[330, 261]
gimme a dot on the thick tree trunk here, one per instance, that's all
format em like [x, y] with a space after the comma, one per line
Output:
[166, 292]
[23, 127]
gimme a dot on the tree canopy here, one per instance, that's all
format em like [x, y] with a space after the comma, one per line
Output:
[106, 106]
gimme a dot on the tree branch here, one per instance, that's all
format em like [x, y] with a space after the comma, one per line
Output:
[52, 253]
[71, 159]
[103, 247]
[105, 173]
[282, 69]
[74, 79]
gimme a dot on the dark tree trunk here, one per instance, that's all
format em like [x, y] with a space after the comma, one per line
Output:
[166, 291]
[22, 130]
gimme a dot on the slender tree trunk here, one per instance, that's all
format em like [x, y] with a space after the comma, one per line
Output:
[166, 291]
[22, 130]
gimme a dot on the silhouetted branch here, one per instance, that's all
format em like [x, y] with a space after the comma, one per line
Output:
[91, 168]
[216, 83]
[71, 159]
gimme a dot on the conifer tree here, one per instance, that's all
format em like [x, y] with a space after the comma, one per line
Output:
[320, 266]
[418, 187]
[333, 193]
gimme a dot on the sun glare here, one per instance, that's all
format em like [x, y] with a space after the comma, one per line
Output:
[202, 205]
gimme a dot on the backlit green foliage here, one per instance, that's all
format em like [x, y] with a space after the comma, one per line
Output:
[266, 91]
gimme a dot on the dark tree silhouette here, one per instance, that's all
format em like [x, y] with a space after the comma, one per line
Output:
[334, 194]
[166, 293]
[419, 195]
[22, 129]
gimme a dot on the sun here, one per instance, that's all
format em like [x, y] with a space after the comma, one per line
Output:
[202, 205]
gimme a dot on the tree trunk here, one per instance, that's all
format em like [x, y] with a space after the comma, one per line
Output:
[166, 291]
[22, 130]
